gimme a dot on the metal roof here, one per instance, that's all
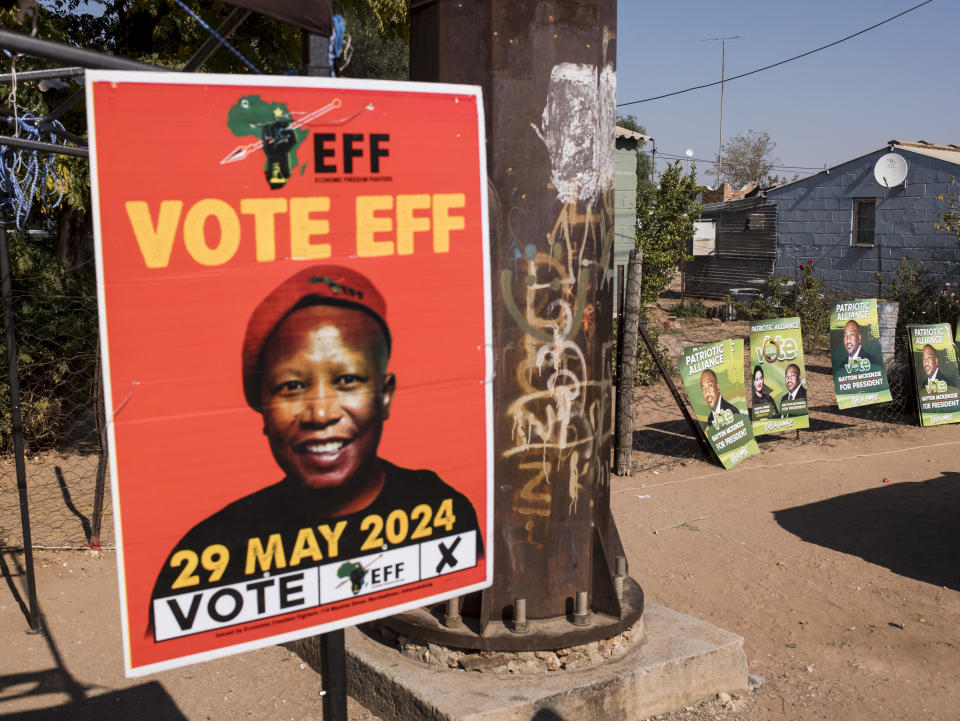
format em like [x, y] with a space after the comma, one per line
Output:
[632, 134]
[732, 206]
[948, 153]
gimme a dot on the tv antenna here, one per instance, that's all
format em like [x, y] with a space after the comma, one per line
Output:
[723, 57]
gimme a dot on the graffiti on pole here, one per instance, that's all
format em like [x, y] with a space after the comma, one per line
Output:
[559, 417]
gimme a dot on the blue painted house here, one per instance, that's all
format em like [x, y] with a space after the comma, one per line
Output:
[851, 225]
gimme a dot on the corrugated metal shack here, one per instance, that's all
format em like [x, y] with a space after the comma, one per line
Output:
[745, 249]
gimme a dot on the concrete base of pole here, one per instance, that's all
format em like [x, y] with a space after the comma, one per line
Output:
[681, 660]
[541, 634]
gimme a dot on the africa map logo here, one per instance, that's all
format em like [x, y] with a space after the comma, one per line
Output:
[278, 132]
[356, 573]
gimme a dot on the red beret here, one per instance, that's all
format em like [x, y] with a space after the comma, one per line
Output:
[317, 285]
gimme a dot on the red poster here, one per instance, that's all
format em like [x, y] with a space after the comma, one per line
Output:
[295, 323]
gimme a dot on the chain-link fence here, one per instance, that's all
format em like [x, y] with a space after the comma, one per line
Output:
[662, 436]
[55, 326]
[55, 323]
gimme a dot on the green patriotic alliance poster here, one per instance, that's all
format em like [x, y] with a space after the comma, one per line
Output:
[713, 377]
[936, 373]
[859, 378]
[778, 381]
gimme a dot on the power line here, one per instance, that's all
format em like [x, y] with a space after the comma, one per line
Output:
[714, 162]
[782, 62]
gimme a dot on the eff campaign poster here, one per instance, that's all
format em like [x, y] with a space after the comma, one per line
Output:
[295, 324]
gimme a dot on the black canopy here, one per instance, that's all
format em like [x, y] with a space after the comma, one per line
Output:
[313, 15]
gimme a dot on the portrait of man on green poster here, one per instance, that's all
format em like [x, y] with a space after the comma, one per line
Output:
[713, 377]
[859, 377]
[778, 386]
[934, 358]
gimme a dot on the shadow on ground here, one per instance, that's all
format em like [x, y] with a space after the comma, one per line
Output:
[668, 438]
[910, 528]
[546, 714]
[147, 702]
[68, 502]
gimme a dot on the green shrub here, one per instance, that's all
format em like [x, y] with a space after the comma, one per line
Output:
[665, 216]
[803, 299]
[759, 308]
[647, 372]
[806, 301]
[55, 317]
[922, 298]
[693, 308]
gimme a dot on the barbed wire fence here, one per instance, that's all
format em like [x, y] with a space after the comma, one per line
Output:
[55, 310]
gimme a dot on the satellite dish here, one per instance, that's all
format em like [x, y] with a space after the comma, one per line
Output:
[891, 170]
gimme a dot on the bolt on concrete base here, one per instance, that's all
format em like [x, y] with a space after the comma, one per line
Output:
[680, 661]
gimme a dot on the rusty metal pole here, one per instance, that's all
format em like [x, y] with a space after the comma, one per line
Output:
[547, 69]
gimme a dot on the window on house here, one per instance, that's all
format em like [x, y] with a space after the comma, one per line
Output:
[864, 220]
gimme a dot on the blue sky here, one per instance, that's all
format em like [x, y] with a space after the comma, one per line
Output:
[901, 80]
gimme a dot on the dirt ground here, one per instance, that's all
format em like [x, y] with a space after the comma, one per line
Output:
[844, 585]
[837, 562]
[835, 554]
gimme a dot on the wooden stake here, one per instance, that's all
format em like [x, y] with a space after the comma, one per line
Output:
[627, 369]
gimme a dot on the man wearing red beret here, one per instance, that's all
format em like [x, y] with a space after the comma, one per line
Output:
[315, 366]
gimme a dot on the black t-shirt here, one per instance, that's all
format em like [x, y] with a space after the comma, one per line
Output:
[276, 530]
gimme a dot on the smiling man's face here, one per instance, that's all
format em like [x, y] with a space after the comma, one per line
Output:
[708, 386]
[929, 361]
[324, 395]
[792, 377]
[851, 336]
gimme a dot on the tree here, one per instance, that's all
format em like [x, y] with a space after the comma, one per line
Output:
[746, 159]
[159, 32]
[644, 161]
[393, 16]
[774, 180]
[53, 278]
[950, 218]
[380, 50]
[665, 216]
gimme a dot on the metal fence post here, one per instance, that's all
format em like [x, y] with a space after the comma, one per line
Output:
[333, 669]
[316, 55]
[17, 424]
[97, 515]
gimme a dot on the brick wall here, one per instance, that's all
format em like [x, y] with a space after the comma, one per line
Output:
[725, 193]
